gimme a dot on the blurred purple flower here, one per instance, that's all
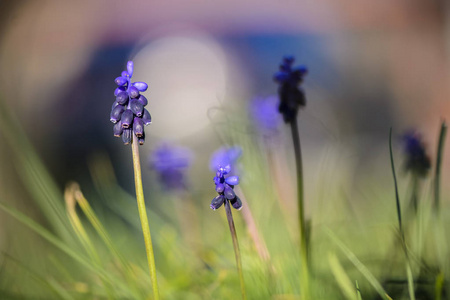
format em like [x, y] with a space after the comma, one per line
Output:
[291, 95]
[223, 160]
[170, 162]
[225, 156]
[265, 114]
[128, 113]
[417, 160]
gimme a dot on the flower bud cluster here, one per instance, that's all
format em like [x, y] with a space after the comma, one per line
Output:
[225, 189]
[128, 113]
[291, 95]
[417, 160]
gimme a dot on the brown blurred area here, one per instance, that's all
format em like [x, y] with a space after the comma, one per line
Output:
[395, 48]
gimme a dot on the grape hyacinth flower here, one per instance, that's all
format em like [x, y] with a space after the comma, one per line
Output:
[417, 161]
[225, 189]
[292, 98]
[170, 162]
[291, 95]
[128, 113]
[130, 117]
[265, 115]
[222, 161]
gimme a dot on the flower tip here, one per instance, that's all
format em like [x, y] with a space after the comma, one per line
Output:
[130, 67]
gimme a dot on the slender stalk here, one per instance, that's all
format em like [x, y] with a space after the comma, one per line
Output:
[143, 217]
[437, 176]
[301, 210]
[237, 252]
[399, 216]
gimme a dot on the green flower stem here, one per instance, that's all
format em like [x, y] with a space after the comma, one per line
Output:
[437, 176]
[143, 217]
[237, 252]
[301, 210]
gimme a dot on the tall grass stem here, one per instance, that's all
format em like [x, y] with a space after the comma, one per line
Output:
[399, 216]
[237, 252]
[143, 217]
[437, 176]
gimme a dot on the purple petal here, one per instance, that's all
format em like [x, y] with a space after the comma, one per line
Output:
[136, 107]
[127, 136]
[236, 203]
[130, 67]
[141, 86]
[138, 127]
[118, 129]
[228, 192]
[116, 113]
[133, 92]
[141, 139]
[120, 81]
[143, 100]
[146, 117]
[119, 89]
[232, 180]
[125, 74]
[217, 202]
[127, 118]
[220, 187]
[122, 98]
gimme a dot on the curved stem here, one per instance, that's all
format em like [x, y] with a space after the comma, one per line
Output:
[437, 176]
[237, 252]
[143, 217]
[301, 209]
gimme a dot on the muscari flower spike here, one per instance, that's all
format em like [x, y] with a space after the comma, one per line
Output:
[222, 162]
[417, 160]
[128, 113]
[291, 94]
[170, 163]
[265, 114]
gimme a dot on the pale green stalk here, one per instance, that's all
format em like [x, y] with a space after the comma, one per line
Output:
[143, 217]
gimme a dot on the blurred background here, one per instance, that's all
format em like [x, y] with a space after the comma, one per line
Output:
[372, 65]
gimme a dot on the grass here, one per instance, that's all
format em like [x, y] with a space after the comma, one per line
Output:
[84, 250]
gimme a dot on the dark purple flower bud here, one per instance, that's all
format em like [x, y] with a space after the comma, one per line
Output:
[125, 74]
[220, 187]
[114, 105]
[127, 136]
[133, 92]
[118, 129]
[119, 89]
[122, 98]
[217, 202]
[288, 59]
[229, 192]
[143, 100]
[146, 117]
[127, 118]
[130, 68]
[141, 86]
[141, 139]
[117, 113]
[120, 81]
[281, 76]
[138, 127]
[236, 203]
[232, 180]
[136, 107]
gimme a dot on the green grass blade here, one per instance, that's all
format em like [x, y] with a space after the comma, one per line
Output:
[341, 277]
[359, 265]
[437, 175]
[44, 233]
